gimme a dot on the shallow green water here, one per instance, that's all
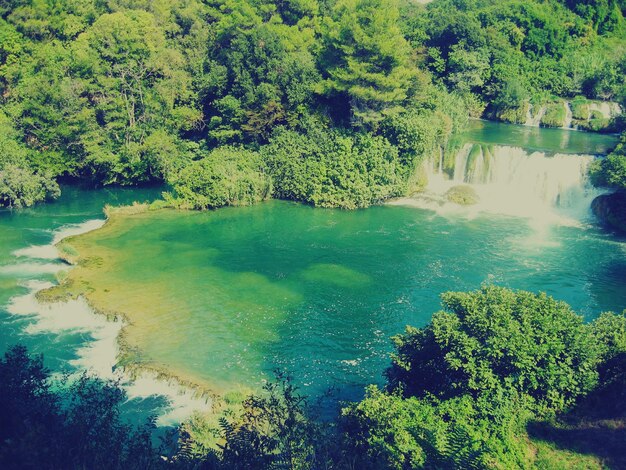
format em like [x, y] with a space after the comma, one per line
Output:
[535, 138]
[35, 227]
[227, 296]
[234, 293]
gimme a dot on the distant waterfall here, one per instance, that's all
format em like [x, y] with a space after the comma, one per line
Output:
[534, 121]
[514, 181]
[568, 116]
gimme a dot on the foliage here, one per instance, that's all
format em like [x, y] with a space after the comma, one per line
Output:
[328, 168]
[512, 52]
[272, 429]
[273, 432]
[554, 116]
[611, 170]
[133, 92]
[46, 425]
[228, 176]
[20, 184]
[609, 331]
[261, 70]
[388, 431]
[19, 187]
[498, 339]
[365, 60]
[467, 401]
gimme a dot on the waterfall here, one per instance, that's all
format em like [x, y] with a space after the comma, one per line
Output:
[568, 115]
[514, 181]
[606, 108]
[529, 116]
[534, 121]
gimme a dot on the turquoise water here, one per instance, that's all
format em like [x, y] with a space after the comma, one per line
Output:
[542, 139]
[37, 226]
[226, 296]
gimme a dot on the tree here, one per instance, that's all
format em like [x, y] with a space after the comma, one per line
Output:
[75, 424]
[611, 170]
[136, 85]
[263, 70]
[366, 62]
[228, 176]
[495, 339]
[328, 168]
[20, 184]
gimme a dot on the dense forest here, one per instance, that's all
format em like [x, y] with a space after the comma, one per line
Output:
[333, 103]
[493, 370]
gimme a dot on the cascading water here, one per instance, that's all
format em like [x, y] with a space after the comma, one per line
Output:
[568, 116]
[534, 121]
[514, 181]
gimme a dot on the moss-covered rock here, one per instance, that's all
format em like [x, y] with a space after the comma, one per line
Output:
[610, 209]
[554, 116]
[594, 125]
[463, 194]
[580, 108]
[514, 114]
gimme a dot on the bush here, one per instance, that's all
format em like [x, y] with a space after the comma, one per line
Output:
[386, 431]
[332, 169]
[46, 425]
[580, 108]
[554, 116]
[21, 187]
[611, 170]
[228, 176]
[495, 339]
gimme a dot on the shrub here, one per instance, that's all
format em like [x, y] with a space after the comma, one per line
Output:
[21, 187]
[228, 176]
[494, 339]
[333, 169]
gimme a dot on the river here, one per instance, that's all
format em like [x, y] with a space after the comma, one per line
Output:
[222, 298]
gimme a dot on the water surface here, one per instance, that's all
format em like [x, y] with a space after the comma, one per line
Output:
[226, 296]
[541, 139]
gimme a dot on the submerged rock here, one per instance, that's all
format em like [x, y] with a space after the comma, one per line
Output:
[610, 209]
[463, 194]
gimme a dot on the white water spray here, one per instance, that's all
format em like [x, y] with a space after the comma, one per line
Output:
[98, 355]
[50, 251]
[534, 121]
[513, 181]
[568, 116]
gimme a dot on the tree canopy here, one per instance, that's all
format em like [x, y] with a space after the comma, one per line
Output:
[131, 92]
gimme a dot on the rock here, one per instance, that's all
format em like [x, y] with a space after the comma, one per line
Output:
[464, 195]
[610, 209]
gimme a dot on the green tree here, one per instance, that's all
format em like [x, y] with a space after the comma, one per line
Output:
[228, 176]
[75, 424]
[262, 69]
[366, 62]
[137, 84]
[329, 168]
[494, 339]
[20, 183]
[611, 170]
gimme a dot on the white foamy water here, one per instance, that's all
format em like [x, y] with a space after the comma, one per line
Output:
[31, 268]
[49, 251]
[546, 189]
[568, 116]
[534, 121]
[98, 355]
